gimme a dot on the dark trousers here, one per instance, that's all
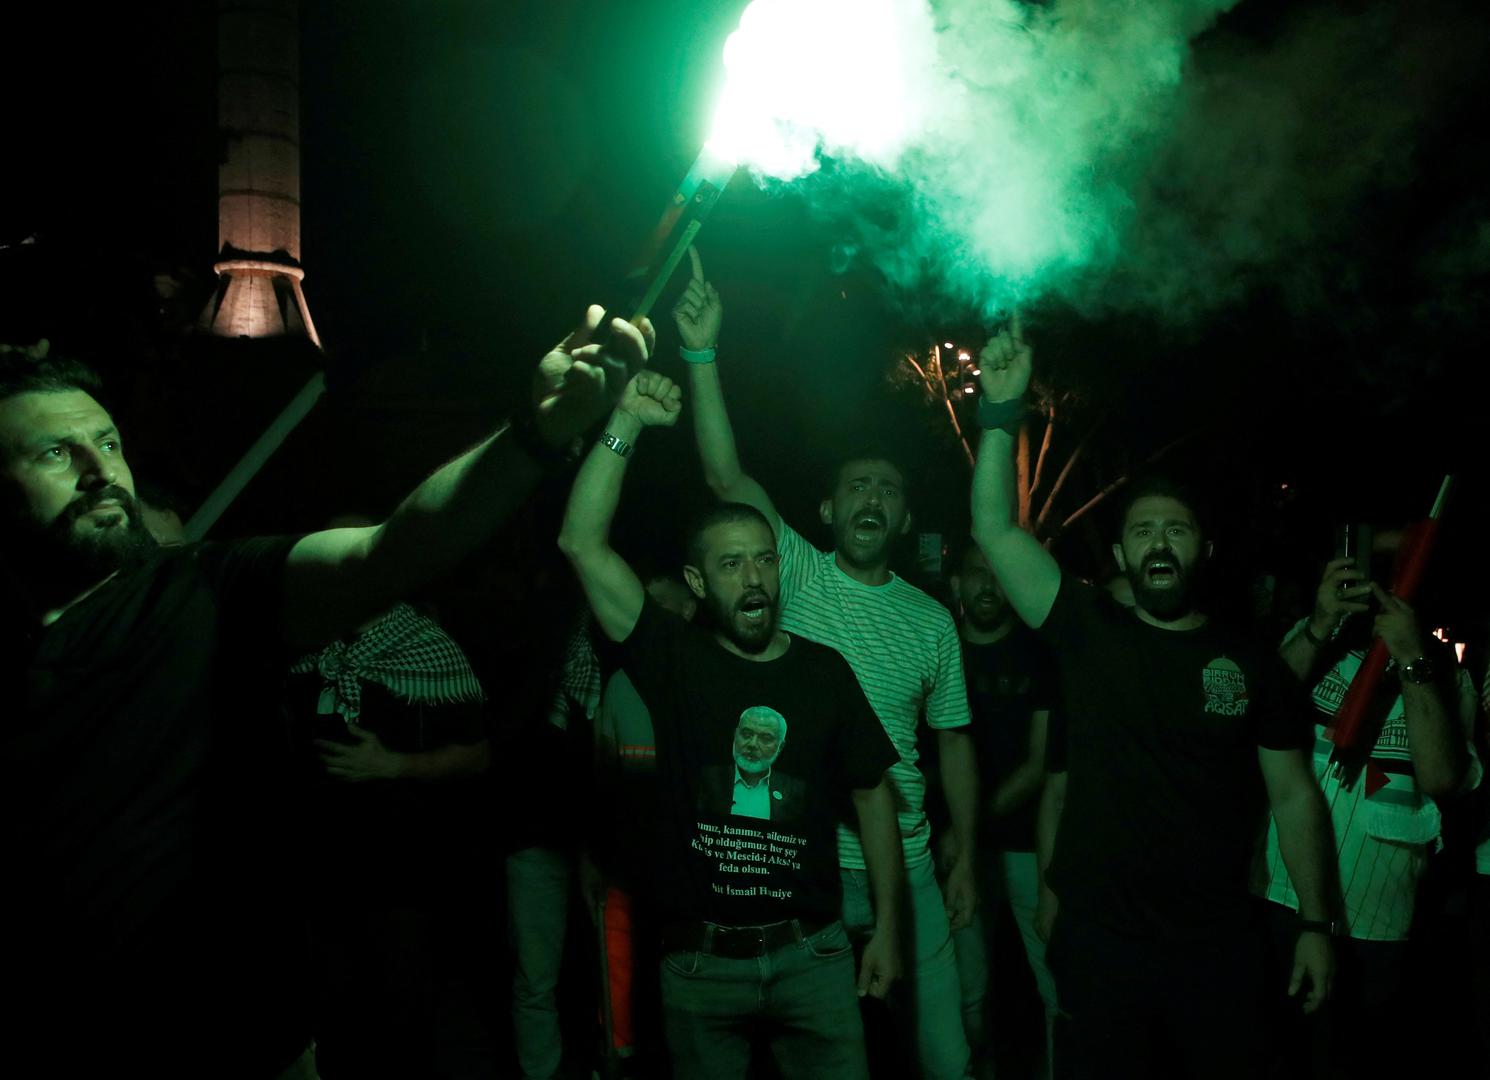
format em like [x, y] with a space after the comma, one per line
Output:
[1143, 1008]
[1357, 1032]
[798, 999]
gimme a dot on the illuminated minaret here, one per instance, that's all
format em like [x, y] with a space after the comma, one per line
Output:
[258, 178]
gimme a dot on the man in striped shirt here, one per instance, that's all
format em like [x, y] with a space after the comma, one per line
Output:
[1383, 834]
[905, 651]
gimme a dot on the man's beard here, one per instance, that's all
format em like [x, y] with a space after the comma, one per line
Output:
[1170, 603]
[755, 768]
[751, 636]
[88, 550]
[985, 618]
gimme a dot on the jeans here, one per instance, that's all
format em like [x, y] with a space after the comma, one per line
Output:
[930, 968]
[538, 883]
[801, 996]
[1012, 876]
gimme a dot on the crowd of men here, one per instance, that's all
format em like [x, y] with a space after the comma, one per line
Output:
[808, 791]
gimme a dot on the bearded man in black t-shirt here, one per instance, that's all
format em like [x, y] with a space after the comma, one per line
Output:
[764, 742]
[153, 926]
[1176, 735]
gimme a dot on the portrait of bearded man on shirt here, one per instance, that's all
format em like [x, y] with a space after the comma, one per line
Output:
[753, 787]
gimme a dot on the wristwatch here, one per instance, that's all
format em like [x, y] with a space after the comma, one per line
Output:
[1328, 927]
[1419, 671]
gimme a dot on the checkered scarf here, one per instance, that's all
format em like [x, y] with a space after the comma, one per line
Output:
[579, 678]
[403, 651]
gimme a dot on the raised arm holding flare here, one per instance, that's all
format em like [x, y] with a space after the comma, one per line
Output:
[149, 851]
[336, 579]
[905, 652]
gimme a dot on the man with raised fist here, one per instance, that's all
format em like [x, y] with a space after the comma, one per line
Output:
[1175, 735]
[752, 939]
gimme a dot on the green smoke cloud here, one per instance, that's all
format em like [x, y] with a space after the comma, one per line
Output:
[1133, 155]
[1036, 124]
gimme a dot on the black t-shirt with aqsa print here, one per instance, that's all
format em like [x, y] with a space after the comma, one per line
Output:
[1158, 731]
[721, 855]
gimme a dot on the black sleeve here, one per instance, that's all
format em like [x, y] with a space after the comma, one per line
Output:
[247, 577]
[1055, 742]
[647, 654]
[1044, 692]
[1071, 615]
[1282, 716]
[864, 750]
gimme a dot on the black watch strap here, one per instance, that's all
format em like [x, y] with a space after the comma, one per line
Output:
[523, 430]
[1317, 926]
[1418, 671]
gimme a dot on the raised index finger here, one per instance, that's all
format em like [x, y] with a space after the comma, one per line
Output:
[698, 263]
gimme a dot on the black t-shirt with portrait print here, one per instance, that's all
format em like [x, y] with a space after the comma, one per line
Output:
[150, 878]
[779, 863]
[1158, 732]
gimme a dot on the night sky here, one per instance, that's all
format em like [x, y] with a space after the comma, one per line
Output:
[474, 173]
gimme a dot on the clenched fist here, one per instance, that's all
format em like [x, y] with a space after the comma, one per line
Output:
[653, 398]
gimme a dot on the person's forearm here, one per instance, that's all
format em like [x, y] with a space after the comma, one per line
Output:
[449, 515]
[712, 429]
[597, 491]
[454, 762]
[1018, 788]
[879, 835]
[1048, 821]
[1307, 844]
[1439, 756]
[993, 496]
[960, 787]
[1300, 653]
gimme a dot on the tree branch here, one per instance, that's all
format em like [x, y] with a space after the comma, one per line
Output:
[1121, 480]
[1044, 448]
[1022, 461]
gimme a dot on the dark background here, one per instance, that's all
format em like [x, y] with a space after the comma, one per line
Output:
[474, 173]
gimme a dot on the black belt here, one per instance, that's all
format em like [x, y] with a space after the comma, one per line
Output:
[736, 942]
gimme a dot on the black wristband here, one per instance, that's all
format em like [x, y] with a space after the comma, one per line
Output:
[523, 431]
[1317, 926]
[1316, 642]
[1000, 415]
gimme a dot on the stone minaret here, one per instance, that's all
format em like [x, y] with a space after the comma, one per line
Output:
[258, 178]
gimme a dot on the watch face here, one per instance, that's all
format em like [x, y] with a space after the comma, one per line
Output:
[1419, 671]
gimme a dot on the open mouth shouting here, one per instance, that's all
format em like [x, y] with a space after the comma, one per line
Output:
[1162, 572]
[754, 607]
[869, 528]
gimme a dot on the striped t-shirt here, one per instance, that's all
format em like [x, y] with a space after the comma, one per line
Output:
[1383, 840]
[904, 649]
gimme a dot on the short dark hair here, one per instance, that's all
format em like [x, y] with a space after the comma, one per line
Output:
[725, 513]
[1162, 486]
[21, 373]
[866, 452]
[958, 549]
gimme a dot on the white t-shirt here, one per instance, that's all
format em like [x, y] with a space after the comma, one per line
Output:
[904, 649]
[1383, 840]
